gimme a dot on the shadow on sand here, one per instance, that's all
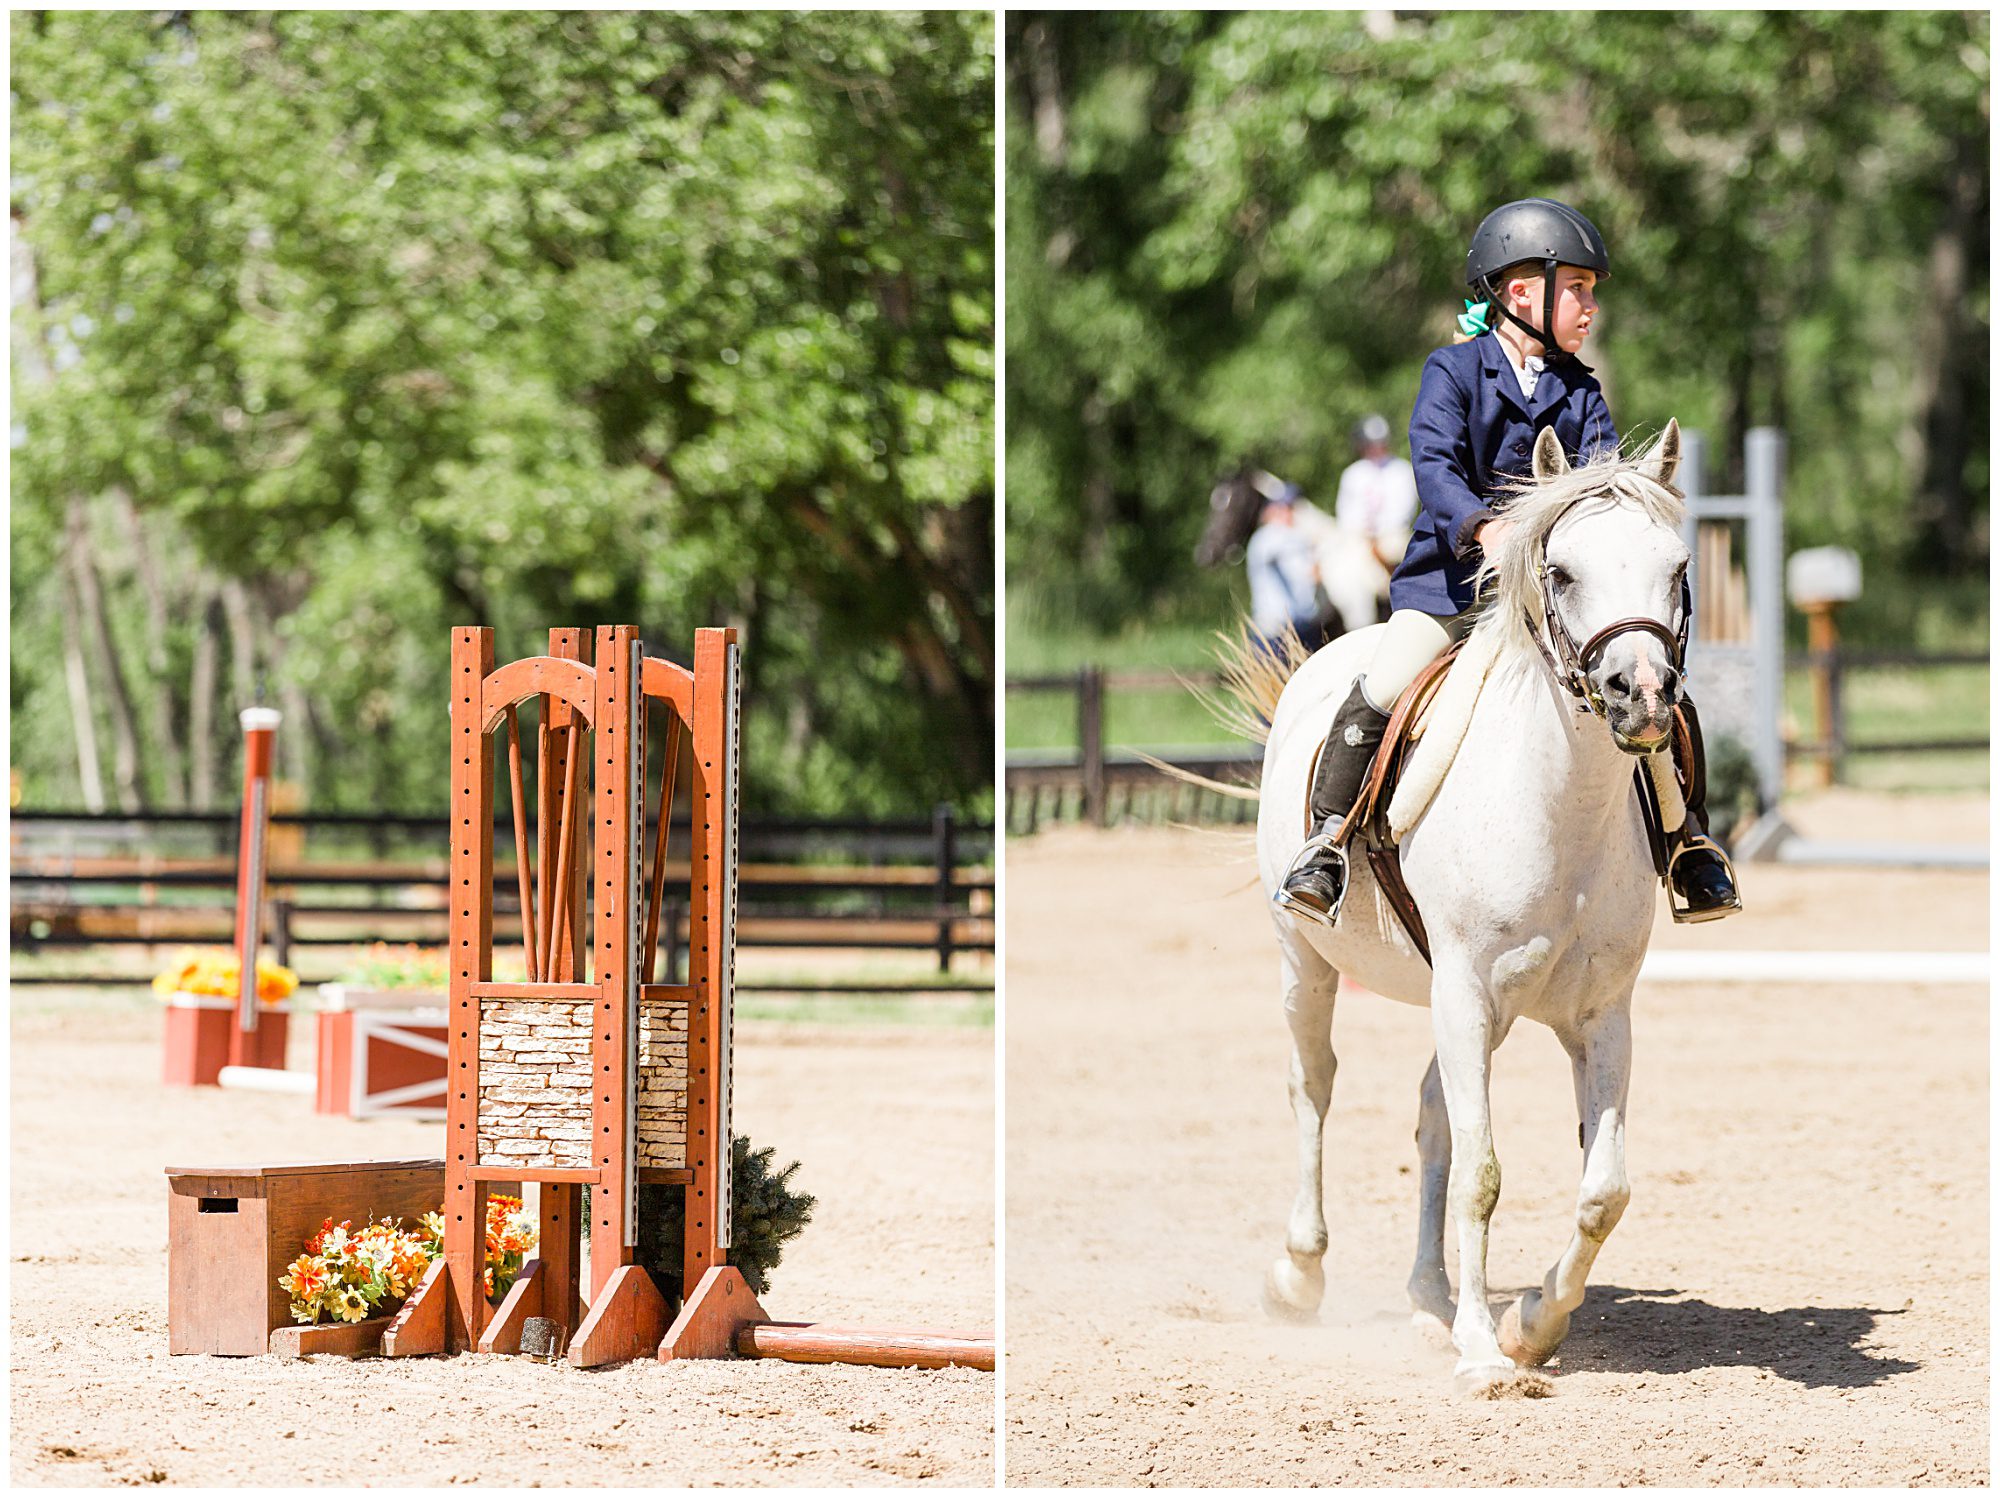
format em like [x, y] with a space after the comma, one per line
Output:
[1619, 1330]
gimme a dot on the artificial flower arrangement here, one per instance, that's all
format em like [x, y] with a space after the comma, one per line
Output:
[217, 971]
[345, 1275]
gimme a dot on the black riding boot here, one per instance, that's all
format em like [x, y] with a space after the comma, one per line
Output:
[1698, 871]
[1317, 880]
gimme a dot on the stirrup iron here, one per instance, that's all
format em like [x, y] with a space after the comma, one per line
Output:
[1319, 843]
[1682, 913]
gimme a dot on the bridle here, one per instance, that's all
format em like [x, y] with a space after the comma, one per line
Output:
[1572, 663]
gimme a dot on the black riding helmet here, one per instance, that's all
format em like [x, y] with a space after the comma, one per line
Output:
[1533, 229]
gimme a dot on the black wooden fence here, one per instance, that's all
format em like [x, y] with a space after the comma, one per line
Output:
[1100, 785]
[93, 881]
[1832, 668]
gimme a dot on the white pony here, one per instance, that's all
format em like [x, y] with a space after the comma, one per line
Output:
[1531, 866]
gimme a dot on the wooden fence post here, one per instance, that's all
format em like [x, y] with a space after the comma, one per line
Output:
[944, 827]
[1090, 740]
[281, 930]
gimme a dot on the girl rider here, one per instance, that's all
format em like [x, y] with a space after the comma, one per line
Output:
[1479, 409]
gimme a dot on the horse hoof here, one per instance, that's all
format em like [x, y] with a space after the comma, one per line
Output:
[1502, 1381]
[1431, 1303]
[1474, 1379]
[1291, 1294]
[1514, 1343]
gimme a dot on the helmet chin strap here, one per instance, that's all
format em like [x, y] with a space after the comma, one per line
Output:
[1546, 333]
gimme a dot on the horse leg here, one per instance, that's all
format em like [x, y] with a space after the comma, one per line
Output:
[1295, 1284]
[1462, 1026]
[1430, 1290]
[1535, 1324]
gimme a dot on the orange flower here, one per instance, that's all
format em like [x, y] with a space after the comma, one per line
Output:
[305, 1279]
[216, 972]
[410, 1264]
[318, 1240]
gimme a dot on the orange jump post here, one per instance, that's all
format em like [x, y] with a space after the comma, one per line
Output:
[260, 732]
[207, 1033]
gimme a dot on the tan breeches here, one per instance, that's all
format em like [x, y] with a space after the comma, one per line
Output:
[1410, 641]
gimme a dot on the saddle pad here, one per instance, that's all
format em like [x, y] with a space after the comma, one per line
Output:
[1443, 731]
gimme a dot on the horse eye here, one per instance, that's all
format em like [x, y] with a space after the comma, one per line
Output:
[1558, 578]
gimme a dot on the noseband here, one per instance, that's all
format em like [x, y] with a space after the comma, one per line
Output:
[1572, 663]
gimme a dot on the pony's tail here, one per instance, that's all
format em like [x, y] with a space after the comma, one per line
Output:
[1254, 671]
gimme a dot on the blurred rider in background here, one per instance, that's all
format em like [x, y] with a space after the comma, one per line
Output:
[1375, 511]
[1284, 572]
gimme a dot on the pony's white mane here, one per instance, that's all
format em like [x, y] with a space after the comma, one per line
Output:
[1533, 507]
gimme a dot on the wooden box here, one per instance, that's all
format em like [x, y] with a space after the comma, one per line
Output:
[198, 1027]
[233, 1230]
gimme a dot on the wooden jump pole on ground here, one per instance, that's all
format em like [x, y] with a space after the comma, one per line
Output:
[805, 1342]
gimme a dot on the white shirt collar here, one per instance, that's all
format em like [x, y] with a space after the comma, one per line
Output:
[1529, 373]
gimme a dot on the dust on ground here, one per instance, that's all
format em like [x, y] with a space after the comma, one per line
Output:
[1797, 1294]
[895, 1131]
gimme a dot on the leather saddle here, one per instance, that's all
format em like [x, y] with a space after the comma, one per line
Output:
[1369, 821]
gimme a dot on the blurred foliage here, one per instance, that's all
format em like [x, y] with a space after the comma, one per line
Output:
[1232, 234]
[400, 321]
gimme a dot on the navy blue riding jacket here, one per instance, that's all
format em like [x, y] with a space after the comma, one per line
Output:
[1470, 428]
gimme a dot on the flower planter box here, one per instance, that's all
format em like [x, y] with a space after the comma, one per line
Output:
[232, 1231]
[381, 1051]
[198, 1031]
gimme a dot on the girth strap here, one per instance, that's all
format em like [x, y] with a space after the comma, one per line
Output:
[1388, 866]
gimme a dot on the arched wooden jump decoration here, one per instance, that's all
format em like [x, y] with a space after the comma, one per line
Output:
[590, 1076]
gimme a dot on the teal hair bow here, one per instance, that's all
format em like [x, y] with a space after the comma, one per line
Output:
[1472, 322]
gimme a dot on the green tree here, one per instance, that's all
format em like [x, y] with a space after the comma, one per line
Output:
[1232, 234]
[360, 325]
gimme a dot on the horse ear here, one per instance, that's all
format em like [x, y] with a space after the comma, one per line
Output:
[1550, 459]
[1663, 459]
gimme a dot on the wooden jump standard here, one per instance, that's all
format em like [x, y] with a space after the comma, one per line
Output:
[590, 1076]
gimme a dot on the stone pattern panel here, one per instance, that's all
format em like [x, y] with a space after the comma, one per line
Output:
[534, 1082]
[662, 1101]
